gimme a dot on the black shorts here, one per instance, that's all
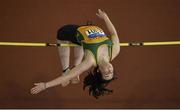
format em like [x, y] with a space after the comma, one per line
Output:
[68, 33]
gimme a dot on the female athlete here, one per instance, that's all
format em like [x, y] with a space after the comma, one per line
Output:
[96, 50]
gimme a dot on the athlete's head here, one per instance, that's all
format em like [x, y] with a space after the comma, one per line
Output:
[106, 70]
[97, 82]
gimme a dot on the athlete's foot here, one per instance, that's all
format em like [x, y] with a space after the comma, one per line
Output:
[75, 80]
[64, 84]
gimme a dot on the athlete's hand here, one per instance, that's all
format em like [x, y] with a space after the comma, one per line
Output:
[101, 14]
[38, 88]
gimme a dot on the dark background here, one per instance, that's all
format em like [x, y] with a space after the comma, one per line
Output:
[148, 76]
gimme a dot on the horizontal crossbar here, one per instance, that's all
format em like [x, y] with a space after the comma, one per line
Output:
[56, 45]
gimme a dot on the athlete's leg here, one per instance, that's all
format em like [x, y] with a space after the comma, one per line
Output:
[64, 54]
[78, 56]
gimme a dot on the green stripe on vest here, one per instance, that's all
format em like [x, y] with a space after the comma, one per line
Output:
[94, 47]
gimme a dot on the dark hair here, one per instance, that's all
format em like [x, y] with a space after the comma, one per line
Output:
[97, 85]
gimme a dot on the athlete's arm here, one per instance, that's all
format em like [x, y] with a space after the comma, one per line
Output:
[113, 32]
[85, 65]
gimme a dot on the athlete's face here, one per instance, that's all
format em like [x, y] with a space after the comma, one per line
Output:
[107, 71]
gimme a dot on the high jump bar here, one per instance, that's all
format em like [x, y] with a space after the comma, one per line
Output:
[71, 44]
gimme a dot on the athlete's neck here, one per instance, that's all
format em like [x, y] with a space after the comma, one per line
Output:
[103, 61]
